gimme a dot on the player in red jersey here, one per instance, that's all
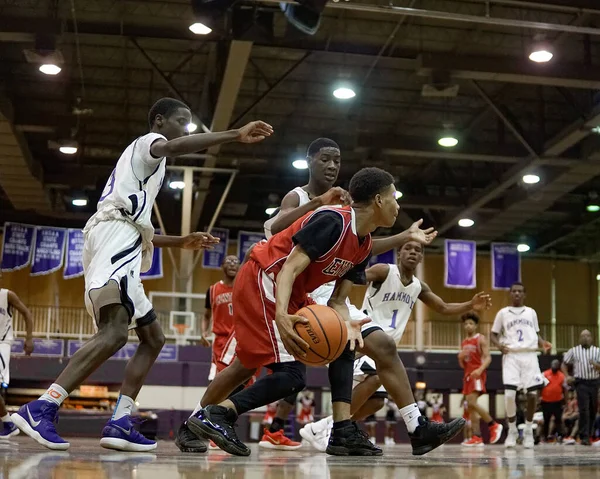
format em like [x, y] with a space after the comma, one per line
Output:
[475, 358]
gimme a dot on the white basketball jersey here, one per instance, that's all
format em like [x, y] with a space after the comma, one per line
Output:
[518, 327]
[6, 326]
[133, 186]
[322, 294]
[389, 305]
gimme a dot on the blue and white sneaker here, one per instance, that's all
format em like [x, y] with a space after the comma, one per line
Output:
[121, 436]
[8, 430]
[37, 419]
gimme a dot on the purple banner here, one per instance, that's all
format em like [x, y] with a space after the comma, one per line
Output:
[16, 347]
[156, 270]
[169, 352]
[389, 257]
[54, 348]
[506, 265]
[74, 262]
[245, 240]
[213, 258]
[49, 251]
[16, 246]
[460, 264]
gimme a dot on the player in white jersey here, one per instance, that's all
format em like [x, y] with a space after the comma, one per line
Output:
[9, 301]
[517, 334]
[118, 243]
[389, 300]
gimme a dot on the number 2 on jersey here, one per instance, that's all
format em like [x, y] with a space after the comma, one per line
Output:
[393, 323]
[520, 333]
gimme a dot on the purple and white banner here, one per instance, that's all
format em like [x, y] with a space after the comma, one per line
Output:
[459, 264]
[213, 258]
[74, 261]
[169, 352]
[156, 270]
[16, 246]
[50, 348]
[506, 265]
[245, 240]
[389, 257]
[49, 251]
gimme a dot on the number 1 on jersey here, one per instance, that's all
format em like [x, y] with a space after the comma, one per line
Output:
[393, 323]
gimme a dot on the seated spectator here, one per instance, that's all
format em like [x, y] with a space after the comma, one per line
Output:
[571, 418]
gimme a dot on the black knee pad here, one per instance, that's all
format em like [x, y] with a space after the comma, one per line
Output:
[341, 373]
[296, 374]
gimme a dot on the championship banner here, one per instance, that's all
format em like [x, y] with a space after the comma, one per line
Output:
[74, 261]
[389, 257]
[459, 264]
[50, 348]
[213, 258]
[506, 265]
[16, 246]
[156, 270]
[49, 251]
[245, 240]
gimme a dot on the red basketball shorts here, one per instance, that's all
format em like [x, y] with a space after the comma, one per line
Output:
[471, 385]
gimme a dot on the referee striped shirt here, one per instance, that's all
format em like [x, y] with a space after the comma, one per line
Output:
[581, 358]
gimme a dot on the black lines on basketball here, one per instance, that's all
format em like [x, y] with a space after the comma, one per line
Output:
[324, 333]
[342, 326]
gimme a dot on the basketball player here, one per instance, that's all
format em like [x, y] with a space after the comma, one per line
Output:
[475, 358]
[118, 244]
[9, 301]
[516, 333]
[390, 297]
[218, 318]
[339, 238]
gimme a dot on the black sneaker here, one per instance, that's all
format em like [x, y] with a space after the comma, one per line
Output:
[217, 423]
[187, 441]
[430, 435]
[351, 441]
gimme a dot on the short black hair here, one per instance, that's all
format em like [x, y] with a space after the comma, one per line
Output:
[369, 182]
[517, 283]
[470, 315]
[319, 143]
[165, 107]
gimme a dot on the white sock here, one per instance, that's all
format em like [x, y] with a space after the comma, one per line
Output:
[528, 426]
[411, 415]
[123, 408]
[55, 394]
[198, 407]
[6, 418]
[512, 427]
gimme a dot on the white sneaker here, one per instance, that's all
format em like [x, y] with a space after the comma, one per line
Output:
[511, 438]
[528, 441]
[316, 439]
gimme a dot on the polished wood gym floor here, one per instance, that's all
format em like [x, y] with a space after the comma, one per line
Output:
[21, 458]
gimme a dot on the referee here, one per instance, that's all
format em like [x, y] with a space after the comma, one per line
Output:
[585, 360]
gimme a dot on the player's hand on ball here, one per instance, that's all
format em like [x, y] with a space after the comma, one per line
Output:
[295, 345]
[481, 301]
[254, 132]
[335, 196]
[355, 333]
[199, 240]
[425, 236]
[28, 346]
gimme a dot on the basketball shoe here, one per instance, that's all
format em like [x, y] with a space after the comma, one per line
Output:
[351, 441]
[495, 432]
[212, 446]
[317, 433]
[430, 435]
[511, 437]
[120, 435]
[475, 441]
[528, 439]
[278, 440]
[218, 423]
[9, 430]
[187, 441]
[36, 419]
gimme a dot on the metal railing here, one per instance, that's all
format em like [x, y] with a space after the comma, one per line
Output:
[74, 323]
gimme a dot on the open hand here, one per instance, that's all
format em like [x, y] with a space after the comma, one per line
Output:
[28, 346]
[254, 132]
[425, 236]
[355, 333]
[204, 342]
[481, 301]
[546, 346]
[199, 240]
[294, 344]
[335, 196]
[476, 374]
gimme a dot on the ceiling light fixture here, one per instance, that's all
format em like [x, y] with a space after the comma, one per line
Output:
[466, 222]
[344, 93]
[79, 202]
[270, 210]
[531, 179]
[177, 185]
[448, 141]
[523, 248]
[50, 69]
[300, 164]
[398, 194]
[192, 127]
[200, 29]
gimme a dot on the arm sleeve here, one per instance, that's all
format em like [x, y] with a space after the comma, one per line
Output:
[358, 274]
[535, 321]
[207, 304]
[319, 234]
[497, 326]
[568, 357]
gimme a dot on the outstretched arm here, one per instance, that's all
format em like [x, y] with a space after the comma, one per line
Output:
[16, 303]
[377, 273]
[194, 241]
[414, 233]
[479, 302]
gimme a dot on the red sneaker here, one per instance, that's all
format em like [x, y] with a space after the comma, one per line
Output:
[277, 440]
[212, 445]
[475, 441]
[495, 433]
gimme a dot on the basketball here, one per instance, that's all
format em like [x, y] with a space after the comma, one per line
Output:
[326, 334]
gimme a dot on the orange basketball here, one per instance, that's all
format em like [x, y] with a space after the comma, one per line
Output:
[326, 334]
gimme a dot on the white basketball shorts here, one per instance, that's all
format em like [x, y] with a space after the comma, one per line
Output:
[5, 362]
[363, 368]
[522, 371]
[112, 251]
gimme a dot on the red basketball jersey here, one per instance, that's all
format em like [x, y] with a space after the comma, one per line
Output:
[347, 252]
[222, 309]
[472, 359]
